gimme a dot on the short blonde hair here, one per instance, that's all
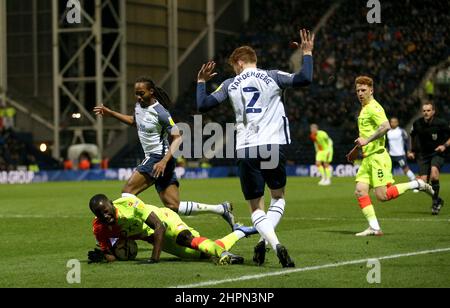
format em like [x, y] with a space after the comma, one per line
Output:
[245, 54]
[364, 80]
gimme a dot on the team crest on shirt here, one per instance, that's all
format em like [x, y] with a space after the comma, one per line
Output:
[434, 136]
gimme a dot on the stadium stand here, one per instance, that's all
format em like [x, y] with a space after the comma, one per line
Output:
[17, 151]
[397, 56]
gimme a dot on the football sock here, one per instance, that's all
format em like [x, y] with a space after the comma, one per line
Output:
[396, 191]
[411, 175]
[436, 187]
[188, 208]
[207, 246]
[228, 241]
[369, 212]
[328, 173]
[322, 171]
[275, 212]
[265, 228]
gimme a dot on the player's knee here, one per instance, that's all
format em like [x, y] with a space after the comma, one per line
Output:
[434, 177]
[360, 193]
[128, 189]
[382, 196]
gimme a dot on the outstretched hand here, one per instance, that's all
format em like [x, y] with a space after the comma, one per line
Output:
[102, 110]
[306, 43]
[207, 73]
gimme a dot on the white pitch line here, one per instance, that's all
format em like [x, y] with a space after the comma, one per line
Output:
[246, 219]
[358, 219]
[308, 269]
[4, 216]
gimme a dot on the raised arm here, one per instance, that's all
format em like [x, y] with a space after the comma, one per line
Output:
[305, 76]
[102, 110]
[206, 102]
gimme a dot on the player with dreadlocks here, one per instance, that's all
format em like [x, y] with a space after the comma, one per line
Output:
[155, 125]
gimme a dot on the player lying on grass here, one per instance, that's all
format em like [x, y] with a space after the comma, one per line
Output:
[131, 218]
[155, 128]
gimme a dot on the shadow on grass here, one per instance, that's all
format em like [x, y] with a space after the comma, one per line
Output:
[341, 232]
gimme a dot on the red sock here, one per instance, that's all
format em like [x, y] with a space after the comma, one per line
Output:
[392, 193]
[197, 241]
[364, 202]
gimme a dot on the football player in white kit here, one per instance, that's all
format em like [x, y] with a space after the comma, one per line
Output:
[155, 125]
[262, 126]
[398, 143]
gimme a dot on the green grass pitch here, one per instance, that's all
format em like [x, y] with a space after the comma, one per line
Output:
[42, 226]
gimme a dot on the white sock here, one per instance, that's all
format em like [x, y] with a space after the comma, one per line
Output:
[239, 234]
[265, 228]
[411, 175]
[275, 213]
[374, 224]
[414, 184]
[126, 195]
[188, 208]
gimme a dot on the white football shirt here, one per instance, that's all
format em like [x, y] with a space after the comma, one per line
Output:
[256, 97]
[397, 138]
[154, 125]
